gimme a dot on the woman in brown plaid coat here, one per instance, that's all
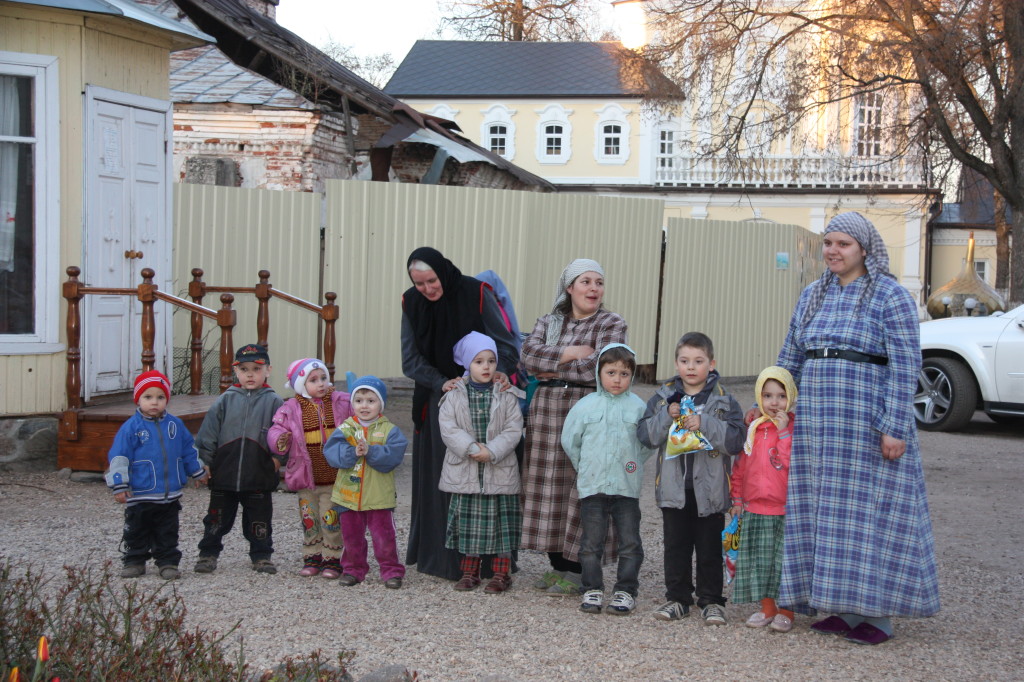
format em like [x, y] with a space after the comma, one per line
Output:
[562, 353]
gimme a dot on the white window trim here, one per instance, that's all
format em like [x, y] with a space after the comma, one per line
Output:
[554, 114]
[43, 69]
[444, 111]
[612, 114]
[499, 114]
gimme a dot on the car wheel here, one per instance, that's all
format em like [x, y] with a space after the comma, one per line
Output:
[946, 395]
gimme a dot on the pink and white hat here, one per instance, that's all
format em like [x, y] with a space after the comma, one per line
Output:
[299, 371]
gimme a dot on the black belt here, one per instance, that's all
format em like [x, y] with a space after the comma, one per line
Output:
[560, 383]
[851, 355]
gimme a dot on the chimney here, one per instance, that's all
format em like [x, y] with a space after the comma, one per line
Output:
[267, 8]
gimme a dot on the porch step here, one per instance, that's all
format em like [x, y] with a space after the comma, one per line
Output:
[84, 436]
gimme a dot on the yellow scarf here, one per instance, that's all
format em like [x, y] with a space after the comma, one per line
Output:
[781, 375]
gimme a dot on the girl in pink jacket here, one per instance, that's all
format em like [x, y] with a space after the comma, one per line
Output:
[759, 477]
[301, 427]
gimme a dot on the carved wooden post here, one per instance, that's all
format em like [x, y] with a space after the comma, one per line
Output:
[196, 290]
[147, 296]
[263, 309]
[226, 321]
[329, 314]
[73, 380]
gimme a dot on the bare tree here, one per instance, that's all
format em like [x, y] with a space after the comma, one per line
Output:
[374, 68]
[518, 20]
[943, 80]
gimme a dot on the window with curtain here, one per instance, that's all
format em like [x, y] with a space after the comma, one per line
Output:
[17, 236]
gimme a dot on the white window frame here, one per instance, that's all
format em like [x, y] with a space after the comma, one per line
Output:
[554, 114]
[612, 114]
[868, 113]
[46, 197]
[499, 114]
[660, 154]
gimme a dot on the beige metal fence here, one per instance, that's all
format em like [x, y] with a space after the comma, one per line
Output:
[737, 282]
[232, 234]
[526, 237]
[720, 277]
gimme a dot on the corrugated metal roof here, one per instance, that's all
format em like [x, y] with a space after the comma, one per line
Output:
[205, 75]
[463, 68]
[129, 10]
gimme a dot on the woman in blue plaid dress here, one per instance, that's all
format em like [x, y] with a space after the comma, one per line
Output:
[858, 536]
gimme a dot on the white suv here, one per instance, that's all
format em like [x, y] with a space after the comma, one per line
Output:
[971, 363]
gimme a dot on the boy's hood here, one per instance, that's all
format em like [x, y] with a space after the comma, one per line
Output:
[600, 388]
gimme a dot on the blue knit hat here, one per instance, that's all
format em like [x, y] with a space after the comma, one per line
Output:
[370, 383]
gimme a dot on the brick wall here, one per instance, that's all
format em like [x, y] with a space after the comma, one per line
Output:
[284, 149]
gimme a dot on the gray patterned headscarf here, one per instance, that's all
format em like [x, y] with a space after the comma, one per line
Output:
[876, 260]
[569, 275]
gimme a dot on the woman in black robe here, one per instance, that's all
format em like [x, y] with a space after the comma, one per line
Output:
[440, 308]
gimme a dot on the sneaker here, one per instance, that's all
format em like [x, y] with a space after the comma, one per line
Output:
[672, 610]
[781, 623]
[713, 614]
[758, 620]
[622, 604]
[547, 580]
[264, 566]
[206, 564]
[348, 580]
[133, 570]
[567, 585]
[170, 572]
[593, 600]
[393, 583]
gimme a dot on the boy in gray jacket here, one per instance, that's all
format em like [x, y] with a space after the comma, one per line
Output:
[233, 448]
[693, 488]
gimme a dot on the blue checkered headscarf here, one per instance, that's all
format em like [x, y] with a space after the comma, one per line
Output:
[876, 261]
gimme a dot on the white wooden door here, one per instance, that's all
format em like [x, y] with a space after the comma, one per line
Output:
[127, 228]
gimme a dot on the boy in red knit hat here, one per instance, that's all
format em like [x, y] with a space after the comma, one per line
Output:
[152, 457]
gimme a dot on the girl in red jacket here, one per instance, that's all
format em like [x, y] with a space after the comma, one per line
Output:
[759, 478]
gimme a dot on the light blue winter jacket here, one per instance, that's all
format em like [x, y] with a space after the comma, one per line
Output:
[599, 436]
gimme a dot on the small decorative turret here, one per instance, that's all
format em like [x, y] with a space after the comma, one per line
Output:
[965, 294]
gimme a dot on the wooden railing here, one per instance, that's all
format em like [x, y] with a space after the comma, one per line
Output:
[264, 291]
[148, 293]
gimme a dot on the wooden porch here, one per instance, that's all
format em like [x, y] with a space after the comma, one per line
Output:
[86, 432]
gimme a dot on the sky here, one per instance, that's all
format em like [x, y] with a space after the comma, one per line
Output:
[368, 26]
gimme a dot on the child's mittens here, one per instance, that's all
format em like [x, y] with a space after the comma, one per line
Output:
[283, 441]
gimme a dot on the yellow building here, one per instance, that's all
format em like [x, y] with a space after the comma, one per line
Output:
[85, 124]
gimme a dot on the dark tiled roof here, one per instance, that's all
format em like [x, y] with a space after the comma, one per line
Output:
[463, 68]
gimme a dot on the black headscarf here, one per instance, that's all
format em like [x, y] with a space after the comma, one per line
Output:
[438, 325]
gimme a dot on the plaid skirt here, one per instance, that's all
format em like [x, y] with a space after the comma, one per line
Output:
[484, 524]
[759, 562]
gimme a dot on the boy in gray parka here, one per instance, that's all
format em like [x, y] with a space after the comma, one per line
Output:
[692, 489]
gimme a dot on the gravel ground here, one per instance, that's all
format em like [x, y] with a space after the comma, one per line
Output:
[974, 488]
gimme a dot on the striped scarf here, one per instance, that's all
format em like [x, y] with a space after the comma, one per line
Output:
[317, 425]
